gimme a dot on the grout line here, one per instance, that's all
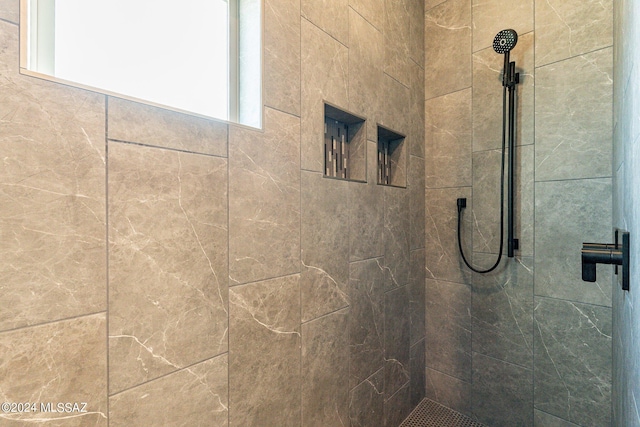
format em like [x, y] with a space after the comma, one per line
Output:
[51, 322]
[106, 230]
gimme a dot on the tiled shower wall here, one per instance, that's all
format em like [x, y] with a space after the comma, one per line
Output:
[170, 270]
[626, 321]
[530, 343]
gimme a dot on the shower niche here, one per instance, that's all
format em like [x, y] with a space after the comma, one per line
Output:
[345, 143]
[392, 159]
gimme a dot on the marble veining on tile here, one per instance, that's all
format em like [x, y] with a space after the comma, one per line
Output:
[325, 70]
[325, 370]
[264, 353]
[56, 362]
[167, 261]
[573, 361]
[366, 319]
[264, 199]
[144, 124]
[52, 208]
[203, 398]
[568, 28]
[282, 55]
[325, 248]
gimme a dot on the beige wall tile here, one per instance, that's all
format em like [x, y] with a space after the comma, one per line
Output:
[448, 140]
[573, 117]
[325, 65]
[490, 17]
[325, 370]
[202, 399]
[281, 76]
[366, 59]
[167, 261]
[9, 10]
[447, 45]
[52, 207]
[264, 199]
[55, 363]
[325, 245]
[331, 16]
[133, 122]
[264, 353]
[567, 28]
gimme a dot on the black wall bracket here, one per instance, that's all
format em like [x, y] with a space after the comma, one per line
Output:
[616, 253]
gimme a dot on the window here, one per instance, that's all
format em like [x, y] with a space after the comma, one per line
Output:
[199, 56]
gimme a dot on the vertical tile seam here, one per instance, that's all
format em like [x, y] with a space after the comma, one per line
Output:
[300, 264]
[227, 279]
[471, 279]
[107, 282]
[533, 225]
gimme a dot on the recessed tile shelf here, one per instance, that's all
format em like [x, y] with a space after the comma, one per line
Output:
[392, 162]
[345, 144]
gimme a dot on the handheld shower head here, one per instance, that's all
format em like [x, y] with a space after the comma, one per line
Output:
[505, 40]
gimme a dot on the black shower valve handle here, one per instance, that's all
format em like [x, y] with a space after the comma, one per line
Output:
[607, 253]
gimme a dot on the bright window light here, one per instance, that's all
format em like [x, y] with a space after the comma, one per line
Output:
[183, 55]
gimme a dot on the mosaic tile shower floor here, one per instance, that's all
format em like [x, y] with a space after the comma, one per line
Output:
[431, 414]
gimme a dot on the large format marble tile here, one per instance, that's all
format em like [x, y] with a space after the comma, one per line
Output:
[443, 260]
[446, 48]
[502, 311]
[542, 419]
[502, 393]
[448, 328]
[325, 245]
[448, 140]
[198, 394]
[396, 234]
[366, 214]
[567, 28]
[264, 353]
[573, 117]
[331, 16]
[417, 372]
[325, 64]
[325, 370]
[449, 391]
[417, 111]
[366, 59]
[417, 288]
[167, 261]
[569, 213]
[415, 9]
[488, 91]
[397, 407]
[490, 17]
[366, 320]
[397, 34]
[281, 75]
[573, 361]
[416, 202]
[264, 199]
[144, 124]
[9, 10]
[396, 114]
[366, 401]
[486, 201]
[52, 209]
[57, 362]
[396, 341]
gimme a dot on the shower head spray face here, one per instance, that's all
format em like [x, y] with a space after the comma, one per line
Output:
[505, 40]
